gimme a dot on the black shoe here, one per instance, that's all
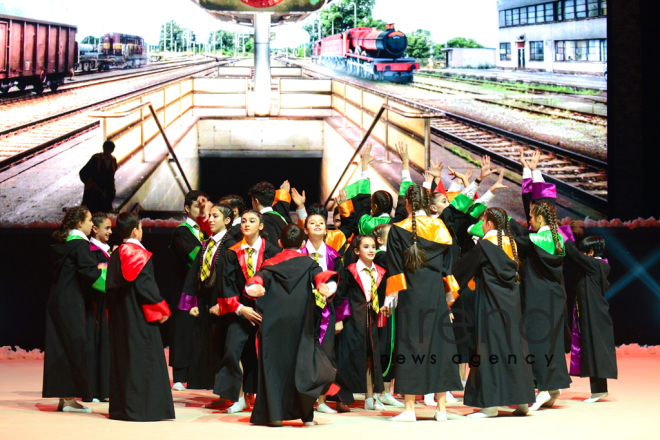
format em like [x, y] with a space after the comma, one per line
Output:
[342, 408]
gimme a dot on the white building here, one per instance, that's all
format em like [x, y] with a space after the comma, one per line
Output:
[567, 36]
[470, 57]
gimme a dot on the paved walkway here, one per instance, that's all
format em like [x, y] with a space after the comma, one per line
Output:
[587, 81]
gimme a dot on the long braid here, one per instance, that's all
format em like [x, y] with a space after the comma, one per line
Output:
[548, 212]
[415, 258]
[500, 219]
[426, 200]
[71, 219]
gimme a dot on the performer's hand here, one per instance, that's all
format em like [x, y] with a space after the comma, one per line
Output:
[256, 291]
[343, 197]
[297, 198]
[499, 184]
[402, 151]
[523, 161]
[463, 177]
[102, 266]
[194, 312]
[436, 168]
[535, 160]
[286, 186]
[366, 157]
[251, 315]
[215, 310]
[163, 319]
[324, 290]
[485, 168]
[428, 177]
[339, 326]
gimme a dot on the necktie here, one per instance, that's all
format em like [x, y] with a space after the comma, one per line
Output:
[199, 231]
[206, 266]
[316, 257]
[374, 288]
[250, 264]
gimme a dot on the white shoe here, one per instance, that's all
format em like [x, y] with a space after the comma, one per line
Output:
[388, 399]
[450, 398]
[541, 398]
[595, 397]
[82, 409]
[440, 416]
[554, 395]
[325, 409]
[178, 387]
[405, 416]
[238, 406]
[484, 413]
[464, 382]
[95, 400]
[429, 399]
[371, 404]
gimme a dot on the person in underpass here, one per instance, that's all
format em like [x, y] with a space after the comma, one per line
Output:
[98, 175]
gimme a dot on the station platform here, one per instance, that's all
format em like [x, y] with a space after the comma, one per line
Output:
[549, 78]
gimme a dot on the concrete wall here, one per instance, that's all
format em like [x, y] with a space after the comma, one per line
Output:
[465, 57]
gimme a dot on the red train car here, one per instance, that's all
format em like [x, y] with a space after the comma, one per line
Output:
[368, 53]
[37, 53]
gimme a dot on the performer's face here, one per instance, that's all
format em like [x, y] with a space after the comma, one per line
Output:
[315, 226]
[103, 231]
[366, 250]
[251, 225]
[337, 221]
[86, 225]
[439, 204]
[217, 220]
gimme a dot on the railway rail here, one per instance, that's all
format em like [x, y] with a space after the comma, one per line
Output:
[27, 140]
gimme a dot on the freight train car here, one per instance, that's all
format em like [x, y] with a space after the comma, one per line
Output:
[36, 53]
[368, 53]
[124, 50]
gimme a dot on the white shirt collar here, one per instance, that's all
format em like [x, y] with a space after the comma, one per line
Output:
[217, 237]
[383, 248]
[134, 241]
[311, 250]
[543, 228]
[191, 222]
[78, 233]
[435, 215]
[100, 244]
[361, 266]
[237, 221]
[266, 209]
[491, 233]
[383, 215]
[420, 213]
[256, 247]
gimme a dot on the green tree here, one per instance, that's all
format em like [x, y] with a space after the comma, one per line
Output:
[340, 16]
[90, 39]
[222, 41]
[419, 44]
[463, 42]
[438, 53]
[175, 38]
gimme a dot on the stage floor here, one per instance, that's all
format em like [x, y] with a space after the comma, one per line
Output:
[626, 414]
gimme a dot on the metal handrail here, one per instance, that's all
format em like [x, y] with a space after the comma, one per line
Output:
[138, 107]
[406, 114]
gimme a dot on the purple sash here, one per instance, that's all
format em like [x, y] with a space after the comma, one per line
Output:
[576, 357]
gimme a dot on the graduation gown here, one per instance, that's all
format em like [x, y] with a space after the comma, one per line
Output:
[423, 346]
[386, 327]
[278, 218]
[501, 375]
[293, 370]
[209, 331]
[185, 245]
[98, 343]
[360, 334]
[69, 343]
[139, 380]
[593, 352]
[544, 310]
[240, 343]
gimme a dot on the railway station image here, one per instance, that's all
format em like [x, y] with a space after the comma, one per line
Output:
[346, 218]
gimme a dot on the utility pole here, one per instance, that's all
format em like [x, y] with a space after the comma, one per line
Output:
[354, 14]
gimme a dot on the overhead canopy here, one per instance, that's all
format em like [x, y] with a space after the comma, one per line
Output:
[242, 11]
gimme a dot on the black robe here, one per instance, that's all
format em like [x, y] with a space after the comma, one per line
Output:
[98, 344]
[68, 339]
[597, 352]
[209, 331]
[139, 380]
[544, 310]
[99, 180]
[293, 370]
[500, 375]
[359, 336]
[424, 345]
[386, 332]
[240, 342]
[186, 246]
[273, 225]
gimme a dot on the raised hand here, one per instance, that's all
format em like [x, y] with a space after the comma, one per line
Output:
[342, 198]
[535, 160]
[499, 184]
[523, 161]
[367, 158]
[463, 177]
[297, 198]
[402, 151]
[436, 168]
[485, 168]
[428, 177]
[286, 186]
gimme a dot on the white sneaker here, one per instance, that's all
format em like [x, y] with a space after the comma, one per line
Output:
[82, 409]
[595, 397]
[484, 413]
[178, 387]
[450, 398]
[429, 399]
[405, 416]
[388, 399]
[541, 398]
[238, 406]
[554, 395]
[325, 409]
[95, 400]
[371, 404]
[440, 416]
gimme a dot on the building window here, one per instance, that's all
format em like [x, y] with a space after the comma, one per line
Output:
[559, 11]
[531, 14]
[603, 7]
[536, 50]
[581, 50]
[569, 9]
[593, 50]
[502, 23]
[554, 11]
[580, 8]
[523, 15]
[539, 14]
[593, 8]
[505, 51]
[516, 16]
[549, 12]
[508, 17]
[604, 50]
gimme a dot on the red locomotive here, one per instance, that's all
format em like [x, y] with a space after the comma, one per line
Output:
[368, 53]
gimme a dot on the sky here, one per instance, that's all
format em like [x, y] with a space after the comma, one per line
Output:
[445, 19]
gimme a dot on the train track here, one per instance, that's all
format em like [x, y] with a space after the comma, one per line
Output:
[27, 140]
[28, 95]
[581, 178]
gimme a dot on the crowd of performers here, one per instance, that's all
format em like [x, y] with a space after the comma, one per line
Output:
[300, 317]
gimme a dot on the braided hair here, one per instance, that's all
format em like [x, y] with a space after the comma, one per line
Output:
[500, 219]
[71, 219]
[547, 211]
[382, 203]
[419, 199]
[228, 213]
